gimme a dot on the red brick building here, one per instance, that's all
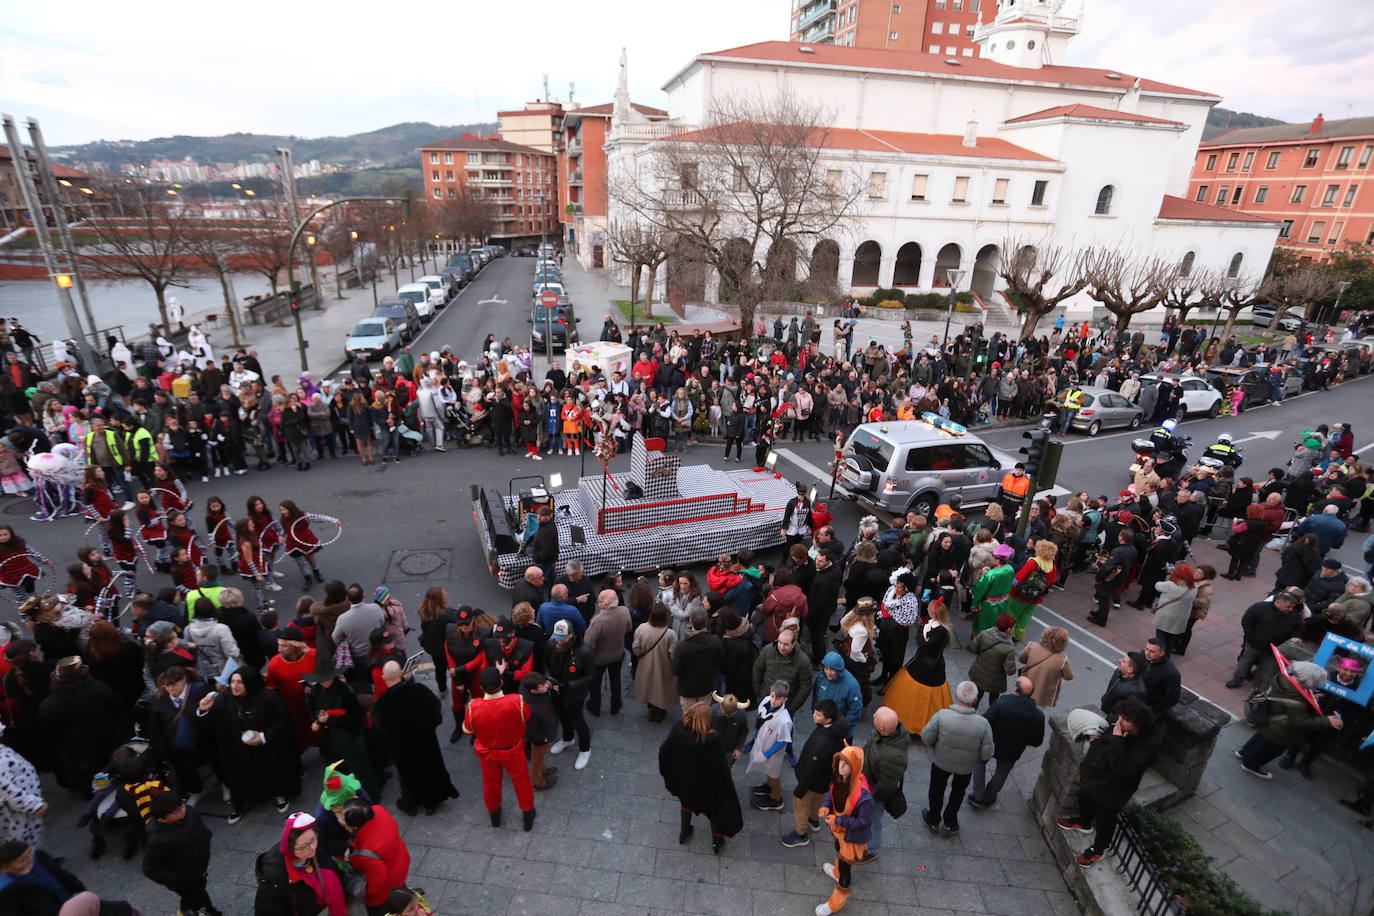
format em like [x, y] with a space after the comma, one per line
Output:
[928, 26]
[79, 198]
[1317, 178]
[520, 181]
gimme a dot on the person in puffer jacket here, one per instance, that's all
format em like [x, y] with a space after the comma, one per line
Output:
[848, 810]
[834, 682]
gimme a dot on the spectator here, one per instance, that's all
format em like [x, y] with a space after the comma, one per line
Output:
[1325, 587]
[994, 659]
[959, 740]
[813, 770]
[784, 660]
[1291, 719]
[1174, 606]
[1046, 665]
[1161, 679]
[178, 853]
[376, 851]
[885, 761]
[1125, 681]
[834, 682]
[697, 662]
[1263, 624]
[1327, 526]
[1017, 723]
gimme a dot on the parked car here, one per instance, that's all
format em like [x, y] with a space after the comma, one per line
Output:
[1262, 315]
[1199, 399]
[402, 311]
[496, 251]
[457, 275]
[419, 295]
[525, 253]
[562, 324]
[542, 286]
[446, 284]
[463, 263]
[1254, 382]
[480, 255]
[1105, 409]
[372, 337]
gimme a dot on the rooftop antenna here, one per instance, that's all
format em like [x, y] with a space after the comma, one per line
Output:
[546, 87]
[572, 89]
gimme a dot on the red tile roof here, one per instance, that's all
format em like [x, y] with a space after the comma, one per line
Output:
[915, 62]
[895, 141]
[60, 171]
[1181, 208]
[608, 107]
[477, 144]
[1090, 112]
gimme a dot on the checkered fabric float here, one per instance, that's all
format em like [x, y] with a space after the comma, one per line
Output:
[684, 515]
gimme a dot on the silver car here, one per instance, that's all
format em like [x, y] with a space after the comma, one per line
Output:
[916, 465]
[1103, 409]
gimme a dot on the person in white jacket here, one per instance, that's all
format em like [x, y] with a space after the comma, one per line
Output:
[214, 642]
[430, 408]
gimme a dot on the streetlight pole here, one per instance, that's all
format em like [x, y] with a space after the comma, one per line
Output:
[955, 276]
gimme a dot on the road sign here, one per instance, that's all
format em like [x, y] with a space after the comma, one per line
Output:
[549, 299]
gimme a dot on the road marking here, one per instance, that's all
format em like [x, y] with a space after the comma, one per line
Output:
[1269, 434]
[788, 455]
[492, 301]
[1109, 662]
[1363, 449]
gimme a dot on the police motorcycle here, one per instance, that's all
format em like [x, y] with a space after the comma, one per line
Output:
[1223, 453]
[1165, 449]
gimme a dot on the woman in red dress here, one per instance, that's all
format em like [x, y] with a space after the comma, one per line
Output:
[99, 503]
[269, 537]
[219, 528]
[171, 492]
[251, 561]
[124, 550]
[18, 571]
[181, 536]
[301, 543]
[152, 527]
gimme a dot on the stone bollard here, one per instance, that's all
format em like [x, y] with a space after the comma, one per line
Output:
[1190, 737]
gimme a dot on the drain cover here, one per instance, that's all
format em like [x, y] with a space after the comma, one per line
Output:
[419, 564]
[24, 507]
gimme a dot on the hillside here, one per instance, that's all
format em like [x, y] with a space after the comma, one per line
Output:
[1220, 120]
[392, 145]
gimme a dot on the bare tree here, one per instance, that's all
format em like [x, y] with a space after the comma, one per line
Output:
[1236, 296]
[1304, 287]
[149, 242]
[1127, 284]
[211, 248]
[266, 239]
[1042, 276]
[643, 249]
[469, 217]
[759, 173]
[337, 239]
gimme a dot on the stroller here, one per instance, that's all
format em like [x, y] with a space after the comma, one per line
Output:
[467, 433]
[121, 796]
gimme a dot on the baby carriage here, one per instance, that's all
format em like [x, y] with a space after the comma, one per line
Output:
[121, 795]
[467, 433]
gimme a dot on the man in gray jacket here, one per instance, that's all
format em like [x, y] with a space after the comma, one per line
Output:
[959, 739]
[605, 636]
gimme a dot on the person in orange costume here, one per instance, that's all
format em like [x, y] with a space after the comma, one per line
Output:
[848, 810]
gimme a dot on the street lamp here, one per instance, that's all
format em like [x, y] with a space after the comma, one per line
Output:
[954, 276]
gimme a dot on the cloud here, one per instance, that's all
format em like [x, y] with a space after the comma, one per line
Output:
[48, 78]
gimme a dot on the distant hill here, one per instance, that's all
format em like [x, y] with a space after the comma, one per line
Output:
[394, 145]
[1220, 120]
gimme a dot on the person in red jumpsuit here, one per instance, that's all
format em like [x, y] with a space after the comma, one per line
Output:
[496, 722]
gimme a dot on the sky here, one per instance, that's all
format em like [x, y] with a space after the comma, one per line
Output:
[97, 72]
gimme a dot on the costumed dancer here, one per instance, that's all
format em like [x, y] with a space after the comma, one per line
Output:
[219, 528]
[99, 504]
[19, 570]
[251, 561]
[269, 537]
[301, 543]
[100, 576]
[171, 492]
[124, 550]
[57, 477]
[13, 480]
[181, 535]
[152, 528]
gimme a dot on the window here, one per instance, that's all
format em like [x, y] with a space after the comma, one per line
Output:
[1365, 155]
[1201, 194]
[1350, 196]
[934, 49]
[438, 194]
[939, 4]
[1249, 161]
[968, 33]
[1299, 192]
[1336, 229]
[1236, 195]
[1233, 270]
[1310, 160]
[960, 190]
[1011, 45]
[1231, 162]
[474, 158]
[1261, 193]
[434, 175]
[1343, 160]
[1038, 193]
[433, 158]
[1273, 162]
[897, 9]
[1329, 196]
[956, 4]
[452, 193]
[891, 36]
[448, 175]
[834, 180]
[1222, 193]
[999, 190]
[1286, 229]
[1030, 45]
[1211, 162]
[1103, 206]
[937, 28]
[1185, 268]
[877, 184]
[968, 52]
[1314, 237]
[918, 186]
[951, 50]
[448, 159]
[740, 179]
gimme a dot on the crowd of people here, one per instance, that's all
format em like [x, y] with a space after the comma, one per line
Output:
[862, 632]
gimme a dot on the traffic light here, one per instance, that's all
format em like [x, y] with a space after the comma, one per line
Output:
[980, 353]
[1035, 452]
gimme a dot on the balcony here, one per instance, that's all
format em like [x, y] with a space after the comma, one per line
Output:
[654, 130]
[574, 177]
[814, 12]
[683, 198]
[575, 146]
[821, 33]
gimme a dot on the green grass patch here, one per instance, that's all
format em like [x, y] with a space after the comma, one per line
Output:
[662, 313]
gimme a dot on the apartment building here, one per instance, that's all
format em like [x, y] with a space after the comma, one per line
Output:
[929, 26]
[518, 179]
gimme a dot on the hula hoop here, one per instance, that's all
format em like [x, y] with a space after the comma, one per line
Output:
[214, 532]
[312, 517]
[108, 597]
[29, 554]
[94, 525]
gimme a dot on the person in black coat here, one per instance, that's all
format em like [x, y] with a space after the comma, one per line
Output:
[178, 853]
[571, 669]
[1113, 576]
[407, 715]
[1263, 624]
[267, 764]
[737, 654]
[698, 659]
[297, 877]
[1017, 723]
[245, 627]
[1161, 679]
[1298, 563]
[80, 715]
[172, 735]
[694, 769]
[1247, 539]
[814, 771]
[864, 579]
[544, 544]
[1167, 548]
[821, 600]
[33, 874]
[1110, 773]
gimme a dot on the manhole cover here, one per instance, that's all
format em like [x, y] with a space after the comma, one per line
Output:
[22, 507]
[419, 564]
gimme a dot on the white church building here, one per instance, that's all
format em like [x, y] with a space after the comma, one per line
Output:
[959, 154]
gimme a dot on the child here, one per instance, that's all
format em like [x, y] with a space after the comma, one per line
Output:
[183, 571]
[541, 729]
[301, 542]
[124, 550]
[178, 854]
[181, 536]
[730, 725]
[771, 746]
[219, 527]
[152, 527]
[848, 808]
[252, 562]
[99, 504]
[813, 772]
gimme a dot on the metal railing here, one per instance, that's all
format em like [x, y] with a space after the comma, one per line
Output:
[1156, 897]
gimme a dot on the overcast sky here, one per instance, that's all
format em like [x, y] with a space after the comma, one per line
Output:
[98, 71]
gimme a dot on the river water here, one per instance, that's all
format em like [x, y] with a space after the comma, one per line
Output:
[130, 303]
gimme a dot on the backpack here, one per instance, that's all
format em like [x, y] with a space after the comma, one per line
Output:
[1035, 585]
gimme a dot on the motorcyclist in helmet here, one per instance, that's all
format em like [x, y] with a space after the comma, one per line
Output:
[1169, 449]
[1225, 451]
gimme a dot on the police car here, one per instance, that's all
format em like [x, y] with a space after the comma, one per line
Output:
[916, 465]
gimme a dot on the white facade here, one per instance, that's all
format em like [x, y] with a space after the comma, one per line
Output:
[1092, 130]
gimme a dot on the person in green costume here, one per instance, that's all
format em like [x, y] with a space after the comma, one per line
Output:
[991, 590]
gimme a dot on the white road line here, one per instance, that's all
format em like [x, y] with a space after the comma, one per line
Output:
[1111, 663]
[788, 455]
[1363, 449]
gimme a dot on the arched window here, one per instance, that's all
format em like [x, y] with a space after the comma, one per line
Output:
[1104, 200]
[1185, 269]
[1234, 270]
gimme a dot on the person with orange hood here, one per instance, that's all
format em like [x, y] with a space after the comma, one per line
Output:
[848, 810]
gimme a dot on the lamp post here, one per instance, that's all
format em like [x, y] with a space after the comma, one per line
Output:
[955, 276]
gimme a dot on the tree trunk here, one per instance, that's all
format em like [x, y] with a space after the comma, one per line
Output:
[1029, 325]
[271, 280]
[1230, 323]
[162, 308]
[229, 309]
[1123, 321]
[649, 293]
[635, 270]
[338, 284]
